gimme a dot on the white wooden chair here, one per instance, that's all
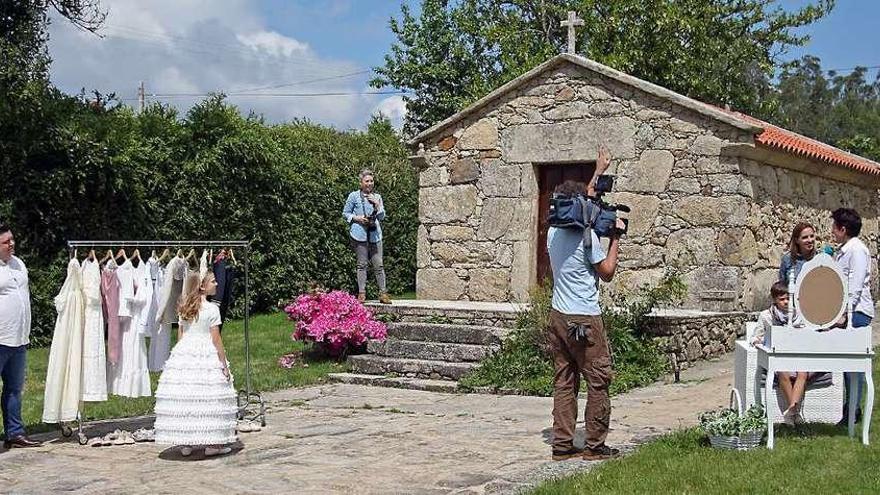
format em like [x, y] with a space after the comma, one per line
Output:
[820, 297]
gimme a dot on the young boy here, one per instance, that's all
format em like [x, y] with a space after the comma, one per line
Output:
[792, 383]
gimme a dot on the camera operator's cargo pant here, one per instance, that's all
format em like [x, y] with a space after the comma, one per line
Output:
[591, 357]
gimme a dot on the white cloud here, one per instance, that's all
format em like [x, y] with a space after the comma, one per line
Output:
[392, 108]
[201, 46]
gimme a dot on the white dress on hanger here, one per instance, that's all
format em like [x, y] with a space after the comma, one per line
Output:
[158, 332]
[94, 359]
[64, 374]
[130, 376]
[195, 404]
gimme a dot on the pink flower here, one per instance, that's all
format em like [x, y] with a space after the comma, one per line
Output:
[335, 319]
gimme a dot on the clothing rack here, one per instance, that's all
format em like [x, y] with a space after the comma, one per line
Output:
[251, 406]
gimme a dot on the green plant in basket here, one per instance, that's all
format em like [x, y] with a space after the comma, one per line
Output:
[727, 423]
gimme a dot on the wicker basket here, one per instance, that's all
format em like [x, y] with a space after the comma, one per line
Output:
[746, 441]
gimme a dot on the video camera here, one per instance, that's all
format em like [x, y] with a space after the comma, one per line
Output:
[583, 212]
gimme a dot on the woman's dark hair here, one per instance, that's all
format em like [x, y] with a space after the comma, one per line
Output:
[571, 188]
[778, 288]
[4, 228]
[795, 235]
[849, 220]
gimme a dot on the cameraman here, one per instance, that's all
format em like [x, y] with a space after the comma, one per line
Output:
[363, 211]
[577, 337]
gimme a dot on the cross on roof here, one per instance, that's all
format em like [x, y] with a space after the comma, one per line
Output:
[572, 22]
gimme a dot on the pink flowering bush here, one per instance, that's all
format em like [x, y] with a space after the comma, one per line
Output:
[336, 320]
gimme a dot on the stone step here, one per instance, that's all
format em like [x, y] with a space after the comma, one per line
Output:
[450, 312]
[442, 332]
[427, 385]
[369, 364]
[435, 351]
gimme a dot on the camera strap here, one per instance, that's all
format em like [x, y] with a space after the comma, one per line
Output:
[589, 217]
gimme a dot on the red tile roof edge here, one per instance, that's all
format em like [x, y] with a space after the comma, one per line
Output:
[797, 144]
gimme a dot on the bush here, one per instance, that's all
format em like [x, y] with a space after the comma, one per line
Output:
[524, 363]
[98, 171]
[334, 320]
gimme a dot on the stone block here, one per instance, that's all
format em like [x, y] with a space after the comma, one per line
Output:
[713, 288]
[489, 284]
[447, 143]
[629, 281]
[464, 171]
[423, 248]
[706, 146]
[448, 253]
[531, 101]
[529, 181]
[569, 141]
[451, 233]
[691, 247]
[522, 271]
[439, 283]
[568, 111]
[710, 211]
[640, 255]
[644, 211]
[649, 174]
[686, 185]
[482, 135]
[433, 177]
[756, 289]
[499, 180]
[507, 218]
[447, 204]
[737, 247]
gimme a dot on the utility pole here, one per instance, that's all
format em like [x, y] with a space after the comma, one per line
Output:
[141, 98]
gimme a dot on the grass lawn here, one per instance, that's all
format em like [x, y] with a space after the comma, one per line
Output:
[827, 461]
[270, 338]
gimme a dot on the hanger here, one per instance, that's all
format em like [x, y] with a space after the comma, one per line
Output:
[232, 256]
[121, 254]
[92, 255]
[75, 255]
[153, 254]
[191, 255]
[179, 253]
[136, 254]
[165, 254]
[107, 257]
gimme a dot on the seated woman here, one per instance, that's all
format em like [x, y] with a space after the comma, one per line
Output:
[801, 248]
[792, 383]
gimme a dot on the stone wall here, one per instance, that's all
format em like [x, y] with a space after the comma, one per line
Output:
[699, 206]
[696, 336]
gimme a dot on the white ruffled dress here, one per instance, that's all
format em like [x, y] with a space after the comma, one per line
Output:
[195, 404]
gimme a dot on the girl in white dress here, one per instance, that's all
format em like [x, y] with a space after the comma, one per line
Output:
[195, 399]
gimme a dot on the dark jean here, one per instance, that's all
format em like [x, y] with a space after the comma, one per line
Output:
[12, 368]
[859, 319]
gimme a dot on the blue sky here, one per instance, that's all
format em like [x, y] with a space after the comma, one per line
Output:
[185, 48]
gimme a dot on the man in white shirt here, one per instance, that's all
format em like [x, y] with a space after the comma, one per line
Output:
[854, 259]
[15, 330]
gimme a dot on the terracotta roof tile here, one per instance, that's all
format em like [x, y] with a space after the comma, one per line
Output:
[797, 144]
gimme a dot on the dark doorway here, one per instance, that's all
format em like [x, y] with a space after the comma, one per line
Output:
[550, 176]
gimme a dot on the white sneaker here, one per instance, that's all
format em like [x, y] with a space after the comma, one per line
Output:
[212, 451]
[186, 451]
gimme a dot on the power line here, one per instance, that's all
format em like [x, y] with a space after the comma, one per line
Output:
[272, 95]
[308, 81]
[853, 68]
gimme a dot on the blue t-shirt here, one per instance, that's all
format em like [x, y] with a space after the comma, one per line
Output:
[575, 282]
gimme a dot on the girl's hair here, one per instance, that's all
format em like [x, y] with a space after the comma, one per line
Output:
[795, 235]
[366, 172]
[191, 303]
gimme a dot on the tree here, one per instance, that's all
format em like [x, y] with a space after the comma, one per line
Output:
[843, 110]
[719, 51]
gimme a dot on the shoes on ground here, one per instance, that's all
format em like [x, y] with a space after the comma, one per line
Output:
[20, 441]
[186, 451]
[212, 451]
[562, 455]
[601, 452]
[384, 298]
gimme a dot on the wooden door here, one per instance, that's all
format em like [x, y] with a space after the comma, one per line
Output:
[550, 176]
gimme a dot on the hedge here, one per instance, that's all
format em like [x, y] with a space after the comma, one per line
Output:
[86, 171]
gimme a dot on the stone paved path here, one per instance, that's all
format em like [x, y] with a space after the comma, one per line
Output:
[355, 439]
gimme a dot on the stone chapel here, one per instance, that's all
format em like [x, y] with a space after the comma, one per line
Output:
[714, 193]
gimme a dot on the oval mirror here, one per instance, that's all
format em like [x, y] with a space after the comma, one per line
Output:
[821, 299]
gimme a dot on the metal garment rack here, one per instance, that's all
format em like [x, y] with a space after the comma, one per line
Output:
[251, 406]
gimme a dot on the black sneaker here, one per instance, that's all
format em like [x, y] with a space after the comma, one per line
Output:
[562, 455]
[599, 453]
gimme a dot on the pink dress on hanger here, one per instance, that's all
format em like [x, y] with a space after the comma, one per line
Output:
[110, 298]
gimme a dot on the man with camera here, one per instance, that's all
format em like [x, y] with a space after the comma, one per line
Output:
[364, 211]
[577, 336]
